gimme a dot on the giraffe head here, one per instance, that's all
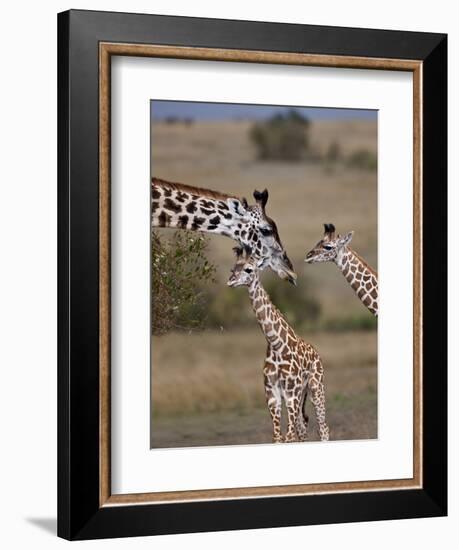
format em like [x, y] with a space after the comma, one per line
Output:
[259, 232]
[245, 269]
[328, 249]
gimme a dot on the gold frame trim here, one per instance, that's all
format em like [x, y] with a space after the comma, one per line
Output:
[106, 51]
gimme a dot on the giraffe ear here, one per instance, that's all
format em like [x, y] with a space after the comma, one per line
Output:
[261, 197]
[237, 208]
[345, 239]
[329, 230]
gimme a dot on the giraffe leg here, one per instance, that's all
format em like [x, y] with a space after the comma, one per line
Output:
[274, 402]
[294, 416]
[303, 420]
[318, 400]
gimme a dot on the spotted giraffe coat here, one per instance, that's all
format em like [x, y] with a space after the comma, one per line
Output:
[292, 367]
[196, 209]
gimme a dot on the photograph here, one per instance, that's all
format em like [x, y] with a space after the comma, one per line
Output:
[264, 288]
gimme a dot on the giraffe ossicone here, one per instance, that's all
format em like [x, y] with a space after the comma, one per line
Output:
[292, 368]
[193, 208]
[362, 278]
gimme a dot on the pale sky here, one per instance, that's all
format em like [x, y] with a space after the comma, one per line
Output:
[160, 110]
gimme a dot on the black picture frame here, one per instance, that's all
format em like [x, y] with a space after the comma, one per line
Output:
[80, 515]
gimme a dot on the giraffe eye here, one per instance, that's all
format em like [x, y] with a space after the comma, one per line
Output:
[328, 246]
[266, 231]
[248, 270]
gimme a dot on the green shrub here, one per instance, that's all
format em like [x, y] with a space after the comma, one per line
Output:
[282, 137]
[178, 266]
[363, 160]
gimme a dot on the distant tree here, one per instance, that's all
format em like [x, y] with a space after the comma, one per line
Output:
[171, 119]
[281, 137]
[333, 153]
[179, 267]
[363, 159]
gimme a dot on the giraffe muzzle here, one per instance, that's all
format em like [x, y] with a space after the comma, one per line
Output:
[289, 276]
[285, 270]
[311, 256]
[233, 283]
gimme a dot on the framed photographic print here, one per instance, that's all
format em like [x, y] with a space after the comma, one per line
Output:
[251, 331]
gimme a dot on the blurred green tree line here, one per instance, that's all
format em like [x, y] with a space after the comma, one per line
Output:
[184, 296]
[287, 137]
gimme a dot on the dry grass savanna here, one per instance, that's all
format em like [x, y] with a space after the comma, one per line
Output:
[207, 386]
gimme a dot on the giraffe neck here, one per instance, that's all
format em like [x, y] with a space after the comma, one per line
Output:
[271, 321]
[362, 278]
[185, 207]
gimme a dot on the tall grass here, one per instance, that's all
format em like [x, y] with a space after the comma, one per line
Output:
[206, 373]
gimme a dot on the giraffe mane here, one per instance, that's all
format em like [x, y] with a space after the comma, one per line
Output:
[191, 189]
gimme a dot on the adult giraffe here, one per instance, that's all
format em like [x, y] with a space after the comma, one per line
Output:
[362, 278]
[186, 207]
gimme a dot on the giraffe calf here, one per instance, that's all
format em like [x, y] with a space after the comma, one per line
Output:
[362, 278]
[292, 367]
